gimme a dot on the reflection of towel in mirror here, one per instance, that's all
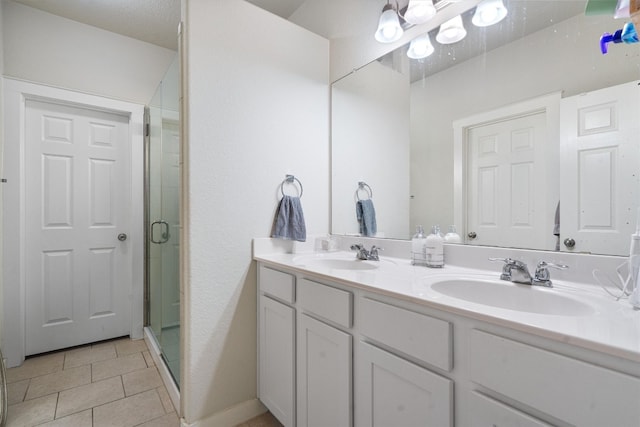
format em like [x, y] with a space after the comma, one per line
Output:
[366, 215]
[556, 227]
[289, 220]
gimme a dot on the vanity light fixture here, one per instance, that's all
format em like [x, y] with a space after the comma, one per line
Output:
[451, 31]
[389, 29]
[420, 47]
[419, 11]
[489, 12]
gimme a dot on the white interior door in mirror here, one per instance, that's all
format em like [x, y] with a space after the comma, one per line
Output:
[600, 154]
[507, 183]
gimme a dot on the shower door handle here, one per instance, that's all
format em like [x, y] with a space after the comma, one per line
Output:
[164, 230]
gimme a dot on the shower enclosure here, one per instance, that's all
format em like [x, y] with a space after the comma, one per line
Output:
[162, 158]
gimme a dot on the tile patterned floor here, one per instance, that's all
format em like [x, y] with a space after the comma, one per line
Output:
[112, 383]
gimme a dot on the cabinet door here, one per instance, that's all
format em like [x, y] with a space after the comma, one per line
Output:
[391, 391]
[324, 375]
[277, 359]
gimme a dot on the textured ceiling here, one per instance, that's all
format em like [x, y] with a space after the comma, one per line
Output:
[156, 21]
[152, 21]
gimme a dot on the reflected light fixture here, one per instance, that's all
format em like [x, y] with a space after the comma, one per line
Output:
[420, 47]
[489, 12]
[451, 31]
[419, 11]
[389, 29]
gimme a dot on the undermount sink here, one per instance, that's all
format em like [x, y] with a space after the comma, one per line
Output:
[335, 261]
[512, 296]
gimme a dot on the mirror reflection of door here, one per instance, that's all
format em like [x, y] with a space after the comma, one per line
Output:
[506, 187]
[600, 154]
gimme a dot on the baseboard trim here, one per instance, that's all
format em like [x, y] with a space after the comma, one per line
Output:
[232, 416]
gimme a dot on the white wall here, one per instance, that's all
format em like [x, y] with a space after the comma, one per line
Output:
[564, 57]
[257, 102]
[1, 155]
[370, 143]
[45, 48]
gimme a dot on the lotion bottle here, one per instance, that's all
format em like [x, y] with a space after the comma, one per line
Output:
[418, 246]
[452, 236]
[435, 248]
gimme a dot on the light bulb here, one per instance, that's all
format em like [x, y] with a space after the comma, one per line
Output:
[451, 31]
[419, 11]
[489, 12]
[420, 47]
[389, 29]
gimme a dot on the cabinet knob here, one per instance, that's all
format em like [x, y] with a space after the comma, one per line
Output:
[472, 235]
[569, 242]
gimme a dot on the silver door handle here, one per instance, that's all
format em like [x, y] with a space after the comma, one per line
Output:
[164, 232]
[122, 237]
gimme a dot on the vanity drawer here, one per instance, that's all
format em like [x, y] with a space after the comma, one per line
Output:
[486, 412]
[325, 301]
[277, 284]
[417, 335]
[571, 390]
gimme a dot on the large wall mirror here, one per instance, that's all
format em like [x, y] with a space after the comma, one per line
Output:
[522, 135]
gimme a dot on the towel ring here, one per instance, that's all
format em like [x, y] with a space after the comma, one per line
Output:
[364, 187]
[289, 180]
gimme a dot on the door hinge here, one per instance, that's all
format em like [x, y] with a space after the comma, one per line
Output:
[147, 129]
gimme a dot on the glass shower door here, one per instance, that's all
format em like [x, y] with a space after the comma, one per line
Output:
[163, 221]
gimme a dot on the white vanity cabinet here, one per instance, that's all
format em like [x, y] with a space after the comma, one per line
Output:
[390, 388]
[564, 388]
[305, 350]
[276, 343]
[324, 344]
[333, 354]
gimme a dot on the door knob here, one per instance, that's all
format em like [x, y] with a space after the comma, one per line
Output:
[569, 242]
[122, 237]
[472, 235]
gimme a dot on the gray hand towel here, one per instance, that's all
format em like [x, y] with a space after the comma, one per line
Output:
[289, 220]
[556, 227]
[366, 214]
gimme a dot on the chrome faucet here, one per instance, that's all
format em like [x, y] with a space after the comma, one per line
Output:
[363, 254]
[514, 271]
[518, 272]
[542, 275]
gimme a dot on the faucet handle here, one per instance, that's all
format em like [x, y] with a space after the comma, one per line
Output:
[542, 276]
[506, 268]
[507, 261]
[373, 253]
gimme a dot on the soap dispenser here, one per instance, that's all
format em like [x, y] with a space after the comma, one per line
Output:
[435, 248]
[452, 236]
[418, 246]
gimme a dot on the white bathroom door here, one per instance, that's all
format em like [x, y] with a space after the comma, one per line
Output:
[600, 176]
[77, 193]
[506, 187]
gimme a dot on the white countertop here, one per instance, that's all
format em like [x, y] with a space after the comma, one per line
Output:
[608, 326]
